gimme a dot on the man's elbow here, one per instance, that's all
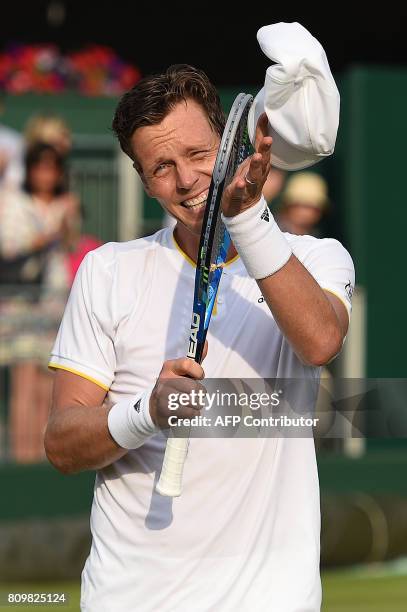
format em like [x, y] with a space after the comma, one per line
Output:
[324, 349]
[55, 453]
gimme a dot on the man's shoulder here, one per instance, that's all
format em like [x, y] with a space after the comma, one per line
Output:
[309, 242]
[327, 260]
[112, 252]
[309, 246]
[114, 272]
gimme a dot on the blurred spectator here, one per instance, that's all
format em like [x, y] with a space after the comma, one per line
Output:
[11, 154]
[36, 224]
[50, 129]
[53, 130]
[304, 201]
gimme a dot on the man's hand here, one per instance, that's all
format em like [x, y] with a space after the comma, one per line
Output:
[245, 190]
[177, 376]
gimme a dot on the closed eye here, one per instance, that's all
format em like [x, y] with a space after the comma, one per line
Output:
[161, 168]
[199, 154]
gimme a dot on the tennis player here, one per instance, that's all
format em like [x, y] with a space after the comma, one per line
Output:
[244, 535]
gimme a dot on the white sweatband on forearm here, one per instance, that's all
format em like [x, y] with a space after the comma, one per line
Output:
[259, 241]
[129, 421]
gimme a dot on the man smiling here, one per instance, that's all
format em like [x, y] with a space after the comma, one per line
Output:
[177, 170]
[245, 533]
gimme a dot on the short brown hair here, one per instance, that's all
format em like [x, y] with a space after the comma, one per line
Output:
[152, 98]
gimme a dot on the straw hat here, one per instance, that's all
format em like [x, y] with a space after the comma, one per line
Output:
[308, 189]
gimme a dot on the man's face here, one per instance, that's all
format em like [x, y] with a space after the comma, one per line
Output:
[175, 159]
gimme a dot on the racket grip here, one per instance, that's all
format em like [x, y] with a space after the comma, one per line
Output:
[170, 481]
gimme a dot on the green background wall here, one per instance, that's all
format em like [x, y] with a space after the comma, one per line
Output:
[371, 161]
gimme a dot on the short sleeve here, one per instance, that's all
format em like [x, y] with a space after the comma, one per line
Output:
[331, 266]
[85, 340]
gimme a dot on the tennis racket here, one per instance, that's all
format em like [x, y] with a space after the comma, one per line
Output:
[213, 248]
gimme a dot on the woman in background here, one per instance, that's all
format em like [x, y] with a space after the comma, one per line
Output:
[37, 224]
[52, 129]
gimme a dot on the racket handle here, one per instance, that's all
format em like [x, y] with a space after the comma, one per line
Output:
[170, 481]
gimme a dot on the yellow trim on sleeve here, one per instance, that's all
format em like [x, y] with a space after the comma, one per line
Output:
[54, 366]
[189, 260]
[339, 298]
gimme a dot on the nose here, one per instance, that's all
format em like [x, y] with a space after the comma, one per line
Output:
[187, 176]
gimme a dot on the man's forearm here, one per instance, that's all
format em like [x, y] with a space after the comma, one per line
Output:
[303, 312]
[77, 438]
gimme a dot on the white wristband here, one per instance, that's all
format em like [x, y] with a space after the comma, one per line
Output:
[258, 240]
[129, 421]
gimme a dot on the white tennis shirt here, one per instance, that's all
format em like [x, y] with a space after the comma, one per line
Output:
[244, 535]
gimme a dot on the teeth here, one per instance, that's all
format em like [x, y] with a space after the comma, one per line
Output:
[201, 199]
[196, 206]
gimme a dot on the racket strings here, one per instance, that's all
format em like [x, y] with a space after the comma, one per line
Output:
[239, 152]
